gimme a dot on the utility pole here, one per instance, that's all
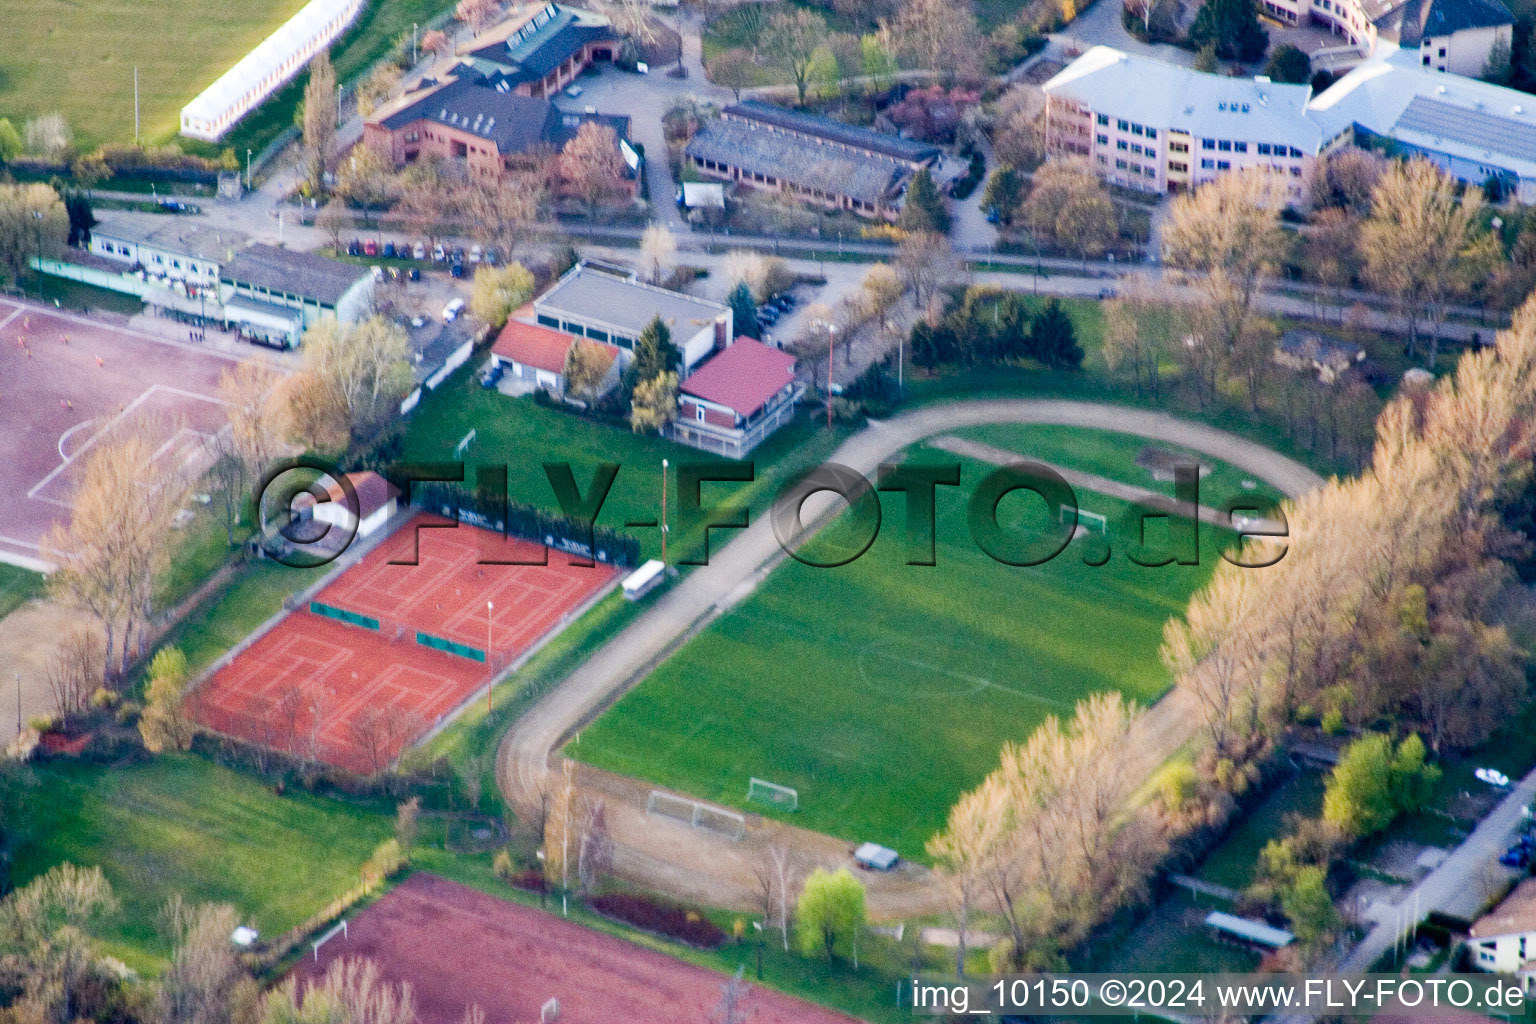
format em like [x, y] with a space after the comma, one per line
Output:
[831, 347]
[135, 104]
[414, 56]
[663, 512]
[247, 168]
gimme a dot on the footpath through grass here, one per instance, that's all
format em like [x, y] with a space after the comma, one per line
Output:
[881, 691]
[180, 824]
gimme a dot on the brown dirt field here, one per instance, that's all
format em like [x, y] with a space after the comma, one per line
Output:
[458, 946]
[29, 636]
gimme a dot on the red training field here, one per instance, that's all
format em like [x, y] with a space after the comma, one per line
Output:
[355, 697]
[458, 947]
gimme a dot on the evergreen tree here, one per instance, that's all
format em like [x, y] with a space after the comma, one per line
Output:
[1004, 193]
[924, 207]
[654, 355]
[1233, 26]
[81, 218]
[1053, 338]
[744, 312]
[1289, 64]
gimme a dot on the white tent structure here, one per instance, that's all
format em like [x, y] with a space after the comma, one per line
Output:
[274, 61]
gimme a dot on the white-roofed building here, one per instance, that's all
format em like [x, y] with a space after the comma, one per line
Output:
[273, 62]
[1471, 129]
[1158, 127]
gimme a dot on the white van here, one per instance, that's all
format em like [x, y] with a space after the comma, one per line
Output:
[452, 310]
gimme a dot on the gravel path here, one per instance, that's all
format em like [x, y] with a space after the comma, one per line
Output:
[713, 869]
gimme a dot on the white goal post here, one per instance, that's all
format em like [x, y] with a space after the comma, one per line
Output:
[1087, 520]
[697, 813]
[764, 792]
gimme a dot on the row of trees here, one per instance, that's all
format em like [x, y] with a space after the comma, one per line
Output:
[1392, 586]
[989, 325]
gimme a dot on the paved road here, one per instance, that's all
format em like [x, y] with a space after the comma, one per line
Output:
[1462, 885]
[526, 751]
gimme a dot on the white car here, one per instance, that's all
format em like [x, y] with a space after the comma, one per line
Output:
[419, 251]
[574, 91]
[452, 310]
[475, 253]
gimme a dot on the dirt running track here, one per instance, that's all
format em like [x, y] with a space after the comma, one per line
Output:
[708, 868]
[458, 947]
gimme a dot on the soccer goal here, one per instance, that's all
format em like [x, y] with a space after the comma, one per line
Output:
[696, 813]
[764, 792]
[1087, 520]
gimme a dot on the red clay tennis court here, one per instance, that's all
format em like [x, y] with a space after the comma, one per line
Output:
[460, 947]
[388, 650]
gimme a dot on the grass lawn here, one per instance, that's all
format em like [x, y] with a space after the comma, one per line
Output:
[1112, 455]
[523, 435]
[1172, 938]
[77, 57]
[830, 680]
[17, 587]
[1234, 861]
[252, 596]
[742, 27]
[180, 824]
[75, 295]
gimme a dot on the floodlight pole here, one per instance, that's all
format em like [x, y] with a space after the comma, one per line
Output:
[18, 703]
[663, 512]
[247, 168]
[831, 347]
[490, 683]
[135, 104]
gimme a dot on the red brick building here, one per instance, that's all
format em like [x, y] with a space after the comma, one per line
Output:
[488, 106]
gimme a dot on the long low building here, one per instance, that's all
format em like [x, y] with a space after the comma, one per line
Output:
[613, 307]
[1159, 127]
[813, 158]
[272, 295]
[258, 74]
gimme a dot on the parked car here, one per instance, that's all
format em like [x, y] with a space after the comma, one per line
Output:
[492, 257]
[389, 250]
[1516, 856]
[458, 254]
[371, 247]
[177, 206]
[419, 251]
[490, 378]
[475, 252]
[438, 255]
[574, 91]
[414, 274]
[452, 310]
[456, 269]
[418, 321]
[354, 248]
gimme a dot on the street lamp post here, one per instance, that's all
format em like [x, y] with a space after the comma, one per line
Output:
[663, 512]
[247, 169]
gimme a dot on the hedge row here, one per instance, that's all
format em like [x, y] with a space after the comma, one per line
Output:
[665, 919]
[528, 522]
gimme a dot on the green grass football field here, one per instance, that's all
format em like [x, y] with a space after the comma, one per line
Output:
[881, 691]
[77, 57]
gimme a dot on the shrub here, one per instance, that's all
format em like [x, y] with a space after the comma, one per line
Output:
[41, 723]
[665, 919]
[103, 698]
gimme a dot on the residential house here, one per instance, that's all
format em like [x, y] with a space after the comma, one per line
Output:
[1157, 127]
[736, 399]
[610, 305]
[534, 357]
[1503, 941]
[813, 158]
[272, 295]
